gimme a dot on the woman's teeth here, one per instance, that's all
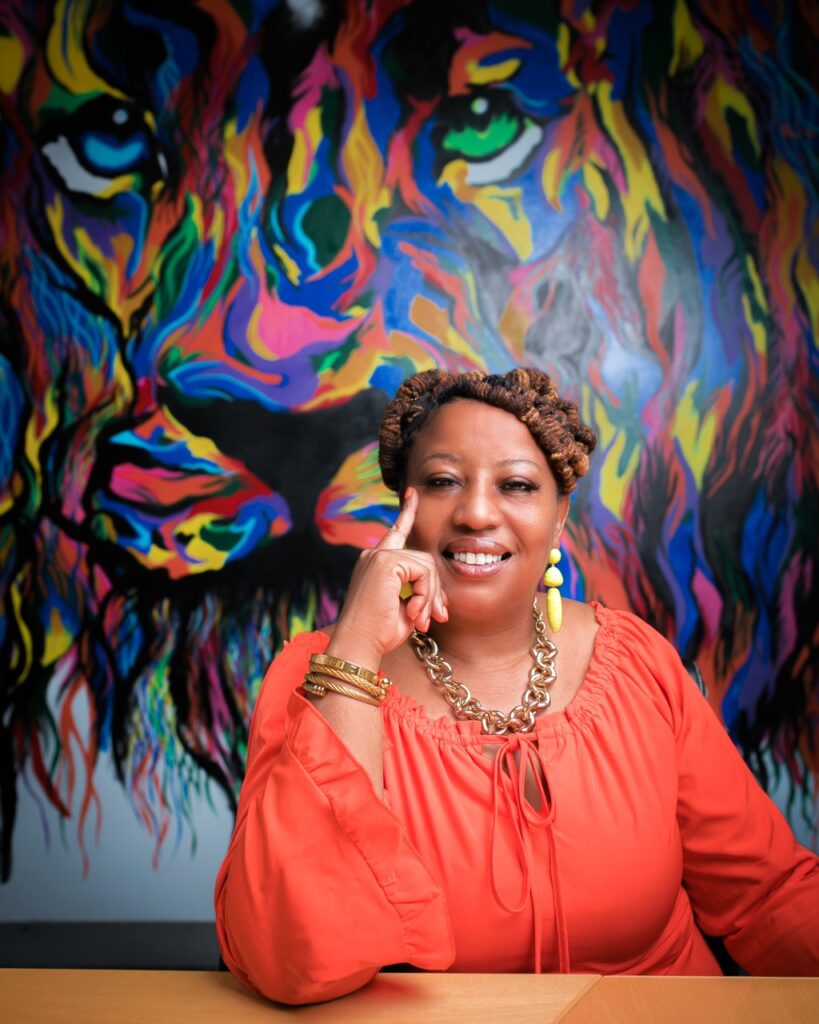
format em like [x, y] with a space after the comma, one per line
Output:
[472, 558]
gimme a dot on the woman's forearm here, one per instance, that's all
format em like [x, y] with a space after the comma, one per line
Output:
[358, 725]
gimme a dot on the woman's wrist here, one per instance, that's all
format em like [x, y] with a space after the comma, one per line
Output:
[354, 651]
[351, 648]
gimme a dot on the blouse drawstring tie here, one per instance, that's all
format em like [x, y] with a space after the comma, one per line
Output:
[522, 813]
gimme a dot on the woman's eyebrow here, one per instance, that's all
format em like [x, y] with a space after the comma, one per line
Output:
[452, 457]
[517, 462]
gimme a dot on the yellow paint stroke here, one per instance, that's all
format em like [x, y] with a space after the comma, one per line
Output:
[756, 328]
[235, 158]
[205, 556]
[687, 44]
[502, 206]
[614, 481]
[11, 63]
[587, 400]
[57, 639]
[12, 493]
[642, 191]
[469, 70]
[25, 635]
[216, 232]
[552, 178]
[723, 97]
[156, 557]
[434, 320]
[513, 326]
[64, 51]
[196, 213]
[605, 428]
[289, 265]
[755, 307]
[564, 40]
[364, 168]
[478, 74]
[39, 427]
[306, 142]
[596, 187]
[90, 254]
[297, 623]
[694, 434]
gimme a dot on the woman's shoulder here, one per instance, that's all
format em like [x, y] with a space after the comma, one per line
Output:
[629, 631]
[639, 652]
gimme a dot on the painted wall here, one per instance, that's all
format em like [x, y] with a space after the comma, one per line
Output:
[228, 232]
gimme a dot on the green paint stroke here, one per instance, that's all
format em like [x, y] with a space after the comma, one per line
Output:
[479, 144]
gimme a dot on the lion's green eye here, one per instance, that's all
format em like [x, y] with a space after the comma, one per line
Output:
[486, 136]
[490, 133]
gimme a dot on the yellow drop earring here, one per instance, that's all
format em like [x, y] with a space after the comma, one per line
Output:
[553, 578]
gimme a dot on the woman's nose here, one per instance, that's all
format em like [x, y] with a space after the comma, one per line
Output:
[476, 507]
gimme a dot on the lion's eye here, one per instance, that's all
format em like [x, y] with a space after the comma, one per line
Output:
[490, 134]
[103, 148]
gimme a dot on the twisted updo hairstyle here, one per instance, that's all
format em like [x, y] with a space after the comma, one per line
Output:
[529, 395]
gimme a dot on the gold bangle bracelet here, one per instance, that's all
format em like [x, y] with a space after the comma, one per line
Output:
[339, 686]
[374, 689]
[321, 661]
[316, 689]
[314, 683]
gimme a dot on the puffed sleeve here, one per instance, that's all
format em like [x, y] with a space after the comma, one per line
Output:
[749, 881]
[320, 887]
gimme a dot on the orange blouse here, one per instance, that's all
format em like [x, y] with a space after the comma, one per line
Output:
[649, 828]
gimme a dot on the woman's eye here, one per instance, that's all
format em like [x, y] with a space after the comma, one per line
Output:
[489, 133]
[439, 482]
[519, 485]
[102, 143]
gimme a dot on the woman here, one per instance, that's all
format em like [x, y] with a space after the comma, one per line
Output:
[581, 809]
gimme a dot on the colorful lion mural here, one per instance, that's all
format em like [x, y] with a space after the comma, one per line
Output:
[229, 231]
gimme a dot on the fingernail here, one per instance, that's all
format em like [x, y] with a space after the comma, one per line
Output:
[407, 494]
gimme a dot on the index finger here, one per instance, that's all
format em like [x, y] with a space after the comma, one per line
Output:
[396, 536]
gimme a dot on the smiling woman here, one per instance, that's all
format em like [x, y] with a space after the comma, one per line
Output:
[459, 825]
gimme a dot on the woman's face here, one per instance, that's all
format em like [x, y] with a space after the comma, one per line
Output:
[489, 509]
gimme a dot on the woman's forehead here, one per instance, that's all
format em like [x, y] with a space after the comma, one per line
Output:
[471, 430]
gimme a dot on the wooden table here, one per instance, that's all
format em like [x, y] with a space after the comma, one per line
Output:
[198, 997]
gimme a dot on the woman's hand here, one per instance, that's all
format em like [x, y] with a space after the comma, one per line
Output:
[374, 619]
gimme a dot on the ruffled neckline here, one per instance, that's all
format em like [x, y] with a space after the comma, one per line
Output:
[577, 715]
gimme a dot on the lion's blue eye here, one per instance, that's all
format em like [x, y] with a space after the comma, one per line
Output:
[108, 154]
[100, 143]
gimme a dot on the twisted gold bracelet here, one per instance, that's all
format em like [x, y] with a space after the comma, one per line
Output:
[318, 685]
[377, 689]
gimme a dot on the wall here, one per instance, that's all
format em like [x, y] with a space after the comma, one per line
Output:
[228, 232]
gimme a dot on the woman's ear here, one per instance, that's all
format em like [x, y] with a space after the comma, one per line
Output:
[563, 503]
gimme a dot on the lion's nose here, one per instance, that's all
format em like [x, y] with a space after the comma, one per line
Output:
[295, 454]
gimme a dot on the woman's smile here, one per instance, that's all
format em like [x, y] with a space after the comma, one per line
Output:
[475, 558]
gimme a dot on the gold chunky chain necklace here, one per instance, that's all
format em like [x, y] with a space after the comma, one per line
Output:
[536, 696]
